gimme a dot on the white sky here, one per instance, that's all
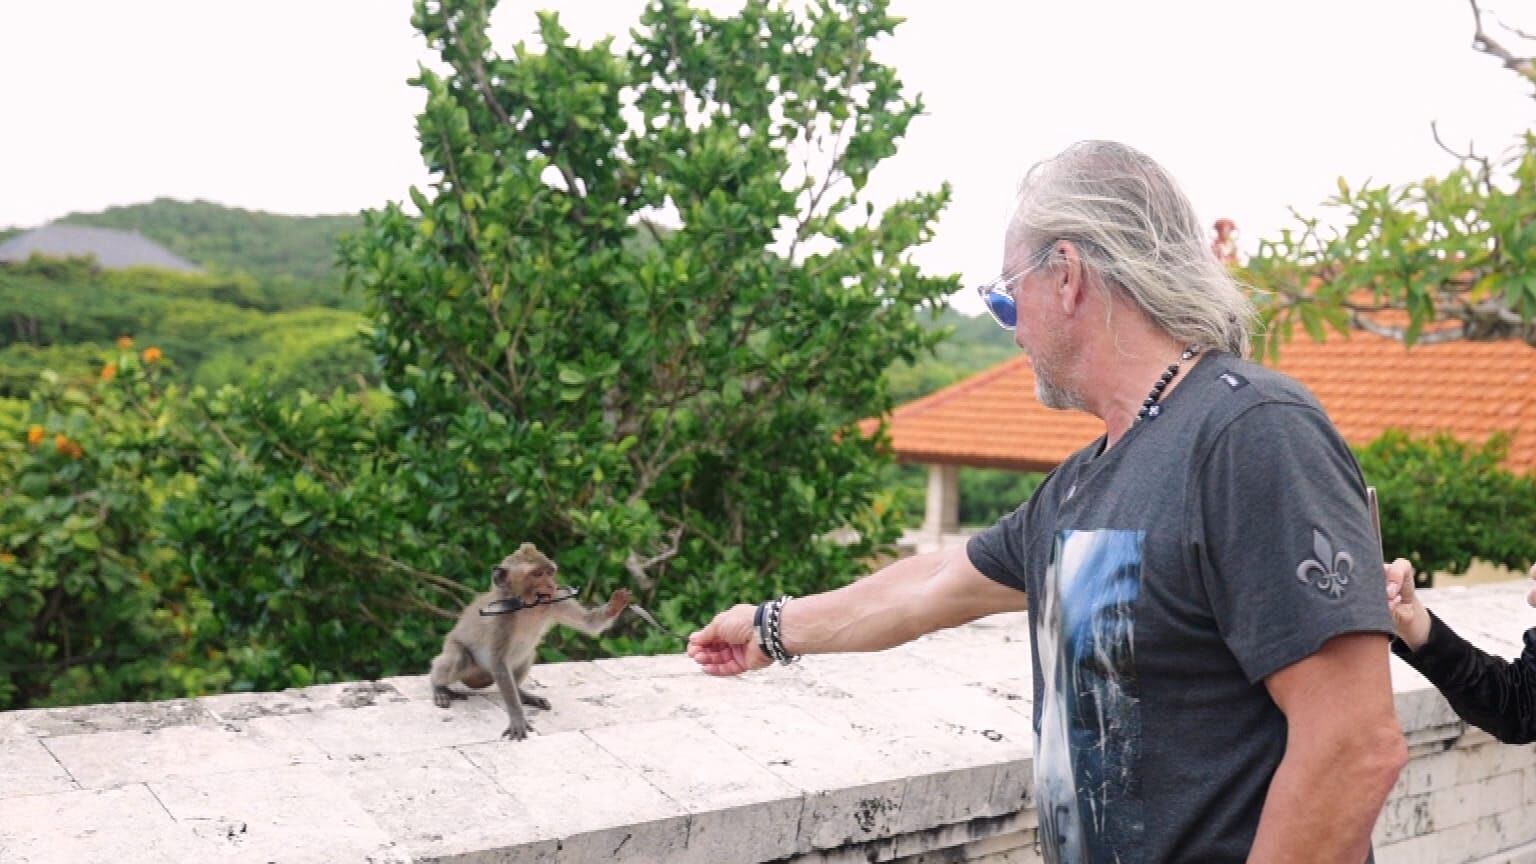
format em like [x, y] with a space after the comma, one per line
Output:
[300, 106]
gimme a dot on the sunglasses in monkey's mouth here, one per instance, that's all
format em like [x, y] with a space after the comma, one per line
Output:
[514, 604]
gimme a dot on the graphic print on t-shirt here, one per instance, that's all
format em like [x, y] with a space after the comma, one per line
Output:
[1088, 733]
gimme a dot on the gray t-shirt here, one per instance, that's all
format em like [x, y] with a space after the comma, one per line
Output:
[1213, 545]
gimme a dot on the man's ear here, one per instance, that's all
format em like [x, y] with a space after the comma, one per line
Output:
[1072, 281]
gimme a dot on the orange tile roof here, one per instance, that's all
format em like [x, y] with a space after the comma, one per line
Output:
[1366, 384]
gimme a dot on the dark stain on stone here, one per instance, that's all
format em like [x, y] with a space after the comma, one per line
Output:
[869, 810]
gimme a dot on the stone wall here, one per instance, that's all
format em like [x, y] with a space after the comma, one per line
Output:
[921, 754]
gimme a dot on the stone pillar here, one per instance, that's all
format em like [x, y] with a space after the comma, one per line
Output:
[943, 512]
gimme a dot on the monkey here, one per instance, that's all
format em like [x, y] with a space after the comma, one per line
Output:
[480, 650]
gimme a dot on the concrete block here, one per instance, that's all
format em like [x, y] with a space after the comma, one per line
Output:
[965, 752]
[115, 758]
[418, 688]
[555, 677]
[300, 700]
[294, 815]
[1403, 817]
[1423, 849]
[597, 807]
[1018, 692]
[973, 657]
[852, 786]
[656, 666]
[558, 676]
[1522, 854]
[1499, 793]
[126, 825]
[109, 717]
[1013, 623]
[1422, 709]
[787, 687]
[1427, 773]
[739, 810]
[437, 805]
[601, 703]
[624, 700]
[1489, 760]
[402, 727]
[27, 768]
[862, 675]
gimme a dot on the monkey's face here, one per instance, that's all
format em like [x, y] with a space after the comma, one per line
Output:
[525, 574]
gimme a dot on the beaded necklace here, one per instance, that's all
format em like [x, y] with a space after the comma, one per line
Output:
[1149, 406]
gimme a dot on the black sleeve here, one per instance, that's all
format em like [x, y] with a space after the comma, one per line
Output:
[1285, 544]
[998, 552]
[1491, 693]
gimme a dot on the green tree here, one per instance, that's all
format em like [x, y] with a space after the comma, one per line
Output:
[1439, 259]
[674, 410]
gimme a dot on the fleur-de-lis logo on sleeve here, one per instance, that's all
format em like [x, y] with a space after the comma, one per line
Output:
[1330, 571]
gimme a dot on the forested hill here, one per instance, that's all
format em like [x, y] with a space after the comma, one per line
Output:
[269, 246]
[292, 261]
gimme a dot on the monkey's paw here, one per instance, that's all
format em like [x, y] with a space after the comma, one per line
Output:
[617, 602]
[533, 701]
[442, 697]
[516, 731]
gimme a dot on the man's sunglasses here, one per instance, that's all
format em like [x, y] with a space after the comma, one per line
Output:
[997, 295]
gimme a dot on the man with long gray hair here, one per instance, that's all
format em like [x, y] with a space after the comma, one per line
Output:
[1210, 643]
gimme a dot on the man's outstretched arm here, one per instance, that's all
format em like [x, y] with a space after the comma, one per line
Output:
[897, 604]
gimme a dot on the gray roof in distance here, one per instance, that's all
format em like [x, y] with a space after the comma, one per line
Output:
[112, 249]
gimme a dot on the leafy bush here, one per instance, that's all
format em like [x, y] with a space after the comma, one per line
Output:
[94, 604]
[1444, 502]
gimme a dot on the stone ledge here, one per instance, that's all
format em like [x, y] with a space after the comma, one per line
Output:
[923, 752]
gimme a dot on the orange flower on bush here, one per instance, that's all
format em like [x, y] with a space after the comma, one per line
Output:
[124, 343]
[65, 447]
[34, 435]
[7, 559]
[150, 355]
[109, 371]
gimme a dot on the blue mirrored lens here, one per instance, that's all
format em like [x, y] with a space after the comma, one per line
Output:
[1002, 308]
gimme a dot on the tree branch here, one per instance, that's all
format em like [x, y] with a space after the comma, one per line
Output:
[1400, 334]
[639, 567]
[1481, 41]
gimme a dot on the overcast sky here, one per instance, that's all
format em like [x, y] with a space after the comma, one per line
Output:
[301, 106]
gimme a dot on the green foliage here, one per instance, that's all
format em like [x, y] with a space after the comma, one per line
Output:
[971, 344]
[22, 365]
[1454, 257]
[1444, 502]
[1459, 249]
[292, 257]
[93, 602]
[986, 494]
